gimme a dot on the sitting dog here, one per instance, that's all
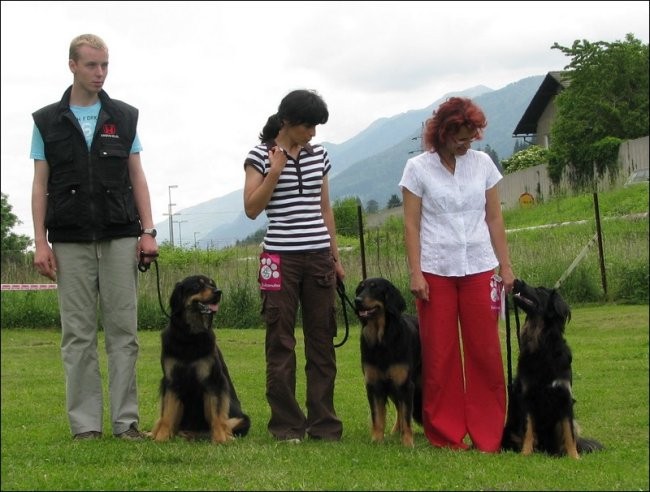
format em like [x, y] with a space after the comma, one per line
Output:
[197, 393]
[540, 409]
[390, 357]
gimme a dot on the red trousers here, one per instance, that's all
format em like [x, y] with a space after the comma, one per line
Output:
[462, 369]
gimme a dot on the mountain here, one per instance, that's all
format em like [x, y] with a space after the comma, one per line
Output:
[223, 217]
[367, 166]
[383, 133]
[376, 177]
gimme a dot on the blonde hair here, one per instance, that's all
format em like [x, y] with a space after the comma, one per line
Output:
[85, 39]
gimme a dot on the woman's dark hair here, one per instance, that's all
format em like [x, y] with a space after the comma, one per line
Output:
[451, 115]
[299, 107]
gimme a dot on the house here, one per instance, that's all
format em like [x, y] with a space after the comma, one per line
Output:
[535, 128]
[535, 124]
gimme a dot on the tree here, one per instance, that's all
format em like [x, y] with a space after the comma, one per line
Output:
[491, 152]
[394, 202]
[520, 144]
[494, 156]
[12, 244]
[372, 207]
[605, 101]
[255, 238]
[345, 216]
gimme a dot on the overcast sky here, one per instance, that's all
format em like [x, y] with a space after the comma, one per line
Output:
[206, 75]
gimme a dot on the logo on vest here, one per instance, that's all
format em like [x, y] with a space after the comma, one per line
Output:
[109, 130]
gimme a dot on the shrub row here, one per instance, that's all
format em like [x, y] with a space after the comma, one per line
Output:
[540, 256]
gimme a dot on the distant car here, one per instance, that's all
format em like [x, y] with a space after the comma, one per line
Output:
[638, 176]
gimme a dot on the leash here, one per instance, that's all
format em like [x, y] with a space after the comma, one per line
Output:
[508, 339]
[144, 267]
[340, 289]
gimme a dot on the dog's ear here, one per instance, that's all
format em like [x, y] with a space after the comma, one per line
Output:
[358, 289]
[176, 299]
[560, 306]
[394, 302]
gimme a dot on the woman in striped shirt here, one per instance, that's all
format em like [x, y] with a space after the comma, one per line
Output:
[286, 177]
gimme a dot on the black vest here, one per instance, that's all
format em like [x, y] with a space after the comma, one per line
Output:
[89, 193]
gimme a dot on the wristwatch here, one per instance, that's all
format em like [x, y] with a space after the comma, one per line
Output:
[152, 232]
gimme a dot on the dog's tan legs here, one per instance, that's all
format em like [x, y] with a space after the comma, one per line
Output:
[378, 420]
[377, 405]
[170, 416]
[404, 425]
[569, 439]
[529, 437]
[399, 374]
[216, 413]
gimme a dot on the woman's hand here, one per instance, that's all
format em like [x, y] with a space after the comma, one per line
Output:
[277, 158]
[419, 286]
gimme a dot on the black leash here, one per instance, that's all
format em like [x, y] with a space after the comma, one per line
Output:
[508, 339]
[144, 267]
[340, 289]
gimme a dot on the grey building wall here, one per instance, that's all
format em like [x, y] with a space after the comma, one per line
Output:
[632, 155]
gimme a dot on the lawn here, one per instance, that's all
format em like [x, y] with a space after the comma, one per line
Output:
[610, 345]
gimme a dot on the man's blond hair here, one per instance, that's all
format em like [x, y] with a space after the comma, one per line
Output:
[86, 39]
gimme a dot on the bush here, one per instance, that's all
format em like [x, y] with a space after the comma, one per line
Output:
[528, 157]
[240, 307]
[630, 282]
[540, 257]
[30, 309]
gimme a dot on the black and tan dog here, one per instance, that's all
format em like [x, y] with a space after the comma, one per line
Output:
[390, 357]
[540, 408]
[197, 394]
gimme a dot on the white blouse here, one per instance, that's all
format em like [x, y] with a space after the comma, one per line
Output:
[454, 237]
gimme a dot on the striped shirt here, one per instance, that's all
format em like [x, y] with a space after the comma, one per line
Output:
[294, 211]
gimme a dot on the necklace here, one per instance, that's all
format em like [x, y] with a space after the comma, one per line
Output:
[451, 167]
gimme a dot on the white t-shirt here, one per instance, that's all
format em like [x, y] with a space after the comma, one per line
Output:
[454, 237]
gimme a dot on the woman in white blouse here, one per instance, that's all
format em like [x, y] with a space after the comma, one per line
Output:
[455, 240]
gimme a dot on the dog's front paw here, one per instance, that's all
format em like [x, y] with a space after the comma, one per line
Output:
[407, 435]
[221, 433]
[221, 437]
[161, 432]
[377, 435]
[527, 448]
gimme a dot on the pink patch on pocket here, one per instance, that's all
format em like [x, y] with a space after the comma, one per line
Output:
[270, 277]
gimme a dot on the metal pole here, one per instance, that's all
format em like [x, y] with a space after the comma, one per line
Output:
[601, 255]
[180, 238]
[169, 210]
[361, 242]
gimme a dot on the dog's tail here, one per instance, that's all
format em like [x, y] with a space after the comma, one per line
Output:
[588, 445]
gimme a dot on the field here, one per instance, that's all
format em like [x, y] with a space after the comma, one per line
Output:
[610, 345]
[544, 241]
[608, 334]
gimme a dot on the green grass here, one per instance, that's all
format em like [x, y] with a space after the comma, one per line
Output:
[610, 345]
[539, 255]
[613, 203]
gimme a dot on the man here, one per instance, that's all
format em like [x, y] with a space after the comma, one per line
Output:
[91, 201]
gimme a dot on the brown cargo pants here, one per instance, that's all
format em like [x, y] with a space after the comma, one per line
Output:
[308, 281]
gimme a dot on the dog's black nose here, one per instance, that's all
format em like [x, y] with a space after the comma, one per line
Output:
[217, 295]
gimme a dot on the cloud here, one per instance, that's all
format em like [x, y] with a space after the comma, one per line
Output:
[206, 75]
